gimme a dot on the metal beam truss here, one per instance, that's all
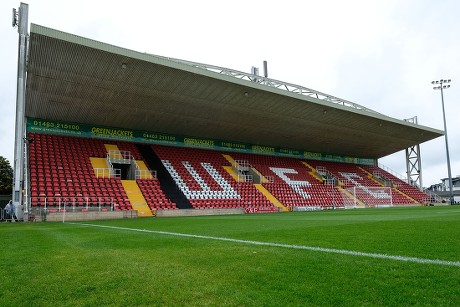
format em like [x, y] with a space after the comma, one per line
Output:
[293, 88]
[414, 162]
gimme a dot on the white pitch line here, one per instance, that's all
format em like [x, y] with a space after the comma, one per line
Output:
[302, 247]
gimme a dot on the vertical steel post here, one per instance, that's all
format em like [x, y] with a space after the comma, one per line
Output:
[19, 152]
[449, 173]
[440, 85]
[414, 162]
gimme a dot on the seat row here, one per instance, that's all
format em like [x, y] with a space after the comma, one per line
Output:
[60, 168]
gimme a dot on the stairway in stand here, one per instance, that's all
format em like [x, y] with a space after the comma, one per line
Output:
[167, 183]
[136, 198]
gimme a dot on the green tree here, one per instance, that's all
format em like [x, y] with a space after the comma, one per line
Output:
[6, 177]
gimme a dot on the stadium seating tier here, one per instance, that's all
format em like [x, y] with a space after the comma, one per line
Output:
[61, 172]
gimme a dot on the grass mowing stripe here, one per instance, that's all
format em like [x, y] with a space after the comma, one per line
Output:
[301, 247]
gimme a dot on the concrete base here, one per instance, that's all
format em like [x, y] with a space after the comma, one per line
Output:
[112, 215]
[198, 212]
[86, 216]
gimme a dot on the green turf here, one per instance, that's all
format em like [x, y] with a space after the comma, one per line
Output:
[63, 264]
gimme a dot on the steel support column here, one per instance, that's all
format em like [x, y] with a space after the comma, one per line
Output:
[19, 152]
[414, 162]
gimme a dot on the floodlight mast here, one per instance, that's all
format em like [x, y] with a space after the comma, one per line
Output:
[21, 21]
[441, 85]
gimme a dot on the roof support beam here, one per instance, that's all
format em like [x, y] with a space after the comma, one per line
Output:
[414, 162]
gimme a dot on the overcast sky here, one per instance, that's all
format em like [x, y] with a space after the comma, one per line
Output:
[380, 54]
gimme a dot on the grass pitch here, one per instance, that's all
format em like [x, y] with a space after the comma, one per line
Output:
[64, 264]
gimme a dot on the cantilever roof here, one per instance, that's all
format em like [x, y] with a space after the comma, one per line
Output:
[75, 79]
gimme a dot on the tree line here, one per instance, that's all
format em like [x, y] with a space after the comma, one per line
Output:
[6, 177]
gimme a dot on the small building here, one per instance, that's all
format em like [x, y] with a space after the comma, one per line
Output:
[442, 189]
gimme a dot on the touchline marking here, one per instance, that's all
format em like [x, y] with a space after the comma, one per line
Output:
[302, 247]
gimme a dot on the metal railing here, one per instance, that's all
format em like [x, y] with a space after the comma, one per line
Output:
[269, 179]
[392, 172]
[321, 170]
[242, 165]
[400, 177]
[107, 172]
[119, 156]
[60, 203]
[327, 176]
[245, 178]
[433, 197]
[145, 174]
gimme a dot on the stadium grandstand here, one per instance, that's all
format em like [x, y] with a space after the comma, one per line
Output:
[104, 129]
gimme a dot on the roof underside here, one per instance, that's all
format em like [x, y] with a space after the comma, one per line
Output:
[74, 79]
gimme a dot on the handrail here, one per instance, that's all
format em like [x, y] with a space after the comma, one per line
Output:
[246, 178]
[61, 202]
[392, 172]
[107, 172]
[145, 174]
